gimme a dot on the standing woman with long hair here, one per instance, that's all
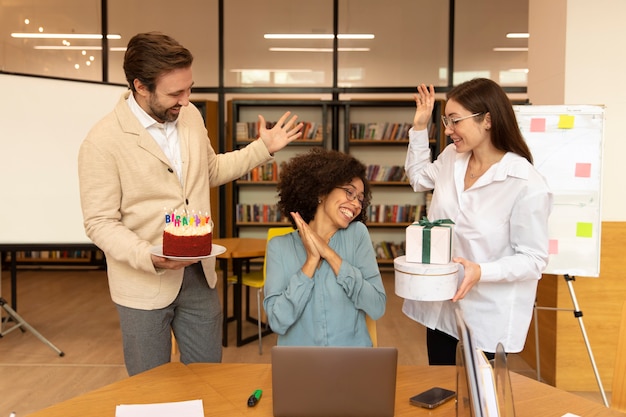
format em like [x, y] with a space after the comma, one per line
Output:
[485, 182]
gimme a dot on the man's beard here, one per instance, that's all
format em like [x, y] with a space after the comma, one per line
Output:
[163, 115]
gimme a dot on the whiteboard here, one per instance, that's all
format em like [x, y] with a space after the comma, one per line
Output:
[43, 124]
[566, 144]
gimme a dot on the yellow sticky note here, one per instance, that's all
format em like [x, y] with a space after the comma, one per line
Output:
[566, 121]
[584, 229]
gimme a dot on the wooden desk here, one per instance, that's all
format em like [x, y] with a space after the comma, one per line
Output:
[167, 383]
[224, 390]
[238, 250]
[532, 399]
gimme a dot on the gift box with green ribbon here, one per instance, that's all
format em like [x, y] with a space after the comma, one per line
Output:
[429, 242]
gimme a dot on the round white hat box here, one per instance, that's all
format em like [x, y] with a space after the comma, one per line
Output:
[425, 282]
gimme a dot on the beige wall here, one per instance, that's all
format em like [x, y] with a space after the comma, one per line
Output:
[574, 58]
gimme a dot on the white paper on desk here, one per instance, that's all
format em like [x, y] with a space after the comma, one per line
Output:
[191, 408]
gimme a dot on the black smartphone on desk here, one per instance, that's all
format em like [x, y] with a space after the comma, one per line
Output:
[432, 398]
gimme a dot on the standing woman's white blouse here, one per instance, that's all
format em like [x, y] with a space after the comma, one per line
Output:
[501, 223]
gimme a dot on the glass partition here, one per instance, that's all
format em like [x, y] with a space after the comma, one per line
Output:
[401, 42]
[55, 38]
[278, 43]
[482, 48]
[404, 43]
[193, 23]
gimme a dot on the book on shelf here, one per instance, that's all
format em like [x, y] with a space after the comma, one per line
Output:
[311, 131]
[242, 131]
[403, 133]
[357, 130]
[394, 213]
[389, 250]
[56, 255]
[394, 131]
[380, 173]
[258, 213]
[264, 172]
[380, 131]
[250, 130]
[375, 131]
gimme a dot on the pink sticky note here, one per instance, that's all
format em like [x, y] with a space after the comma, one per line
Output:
[537, 125]
[553, 247]
[583, 170]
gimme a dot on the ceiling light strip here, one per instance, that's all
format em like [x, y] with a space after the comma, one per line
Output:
[77, 48]
[63, 36]
[318, 49]
[318, 36]
[514, 35]
[510, 49]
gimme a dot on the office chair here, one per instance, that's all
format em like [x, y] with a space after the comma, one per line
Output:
[256, 279]
[618, 395]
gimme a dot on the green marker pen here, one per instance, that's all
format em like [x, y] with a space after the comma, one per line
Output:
[254, 398]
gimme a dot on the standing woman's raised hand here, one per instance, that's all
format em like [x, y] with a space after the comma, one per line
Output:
[283, 132]
[424, 104]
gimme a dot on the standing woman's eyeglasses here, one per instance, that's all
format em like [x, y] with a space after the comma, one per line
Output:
[449, 122]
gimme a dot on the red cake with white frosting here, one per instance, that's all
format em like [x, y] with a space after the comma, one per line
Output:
[187, 236]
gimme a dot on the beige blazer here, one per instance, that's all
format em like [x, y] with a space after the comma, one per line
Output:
[126, 186]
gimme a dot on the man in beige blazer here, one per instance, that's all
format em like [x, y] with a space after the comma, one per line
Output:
[149, 155]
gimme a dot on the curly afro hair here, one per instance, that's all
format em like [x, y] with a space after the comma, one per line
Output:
[307, 177]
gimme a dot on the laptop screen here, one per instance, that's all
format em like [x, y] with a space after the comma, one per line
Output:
[333, 381]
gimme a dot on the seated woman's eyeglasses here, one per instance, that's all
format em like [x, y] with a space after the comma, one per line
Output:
[352, 194]
[449, 122]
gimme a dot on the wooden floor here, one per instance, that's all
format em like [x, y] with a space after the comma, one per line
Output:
[73, 310]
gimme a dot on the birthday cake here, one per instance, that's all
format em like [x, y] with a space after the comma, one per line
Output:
[187, 235]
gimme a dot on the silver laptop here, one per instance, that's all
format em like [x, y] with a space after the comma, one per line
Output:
[333, 381]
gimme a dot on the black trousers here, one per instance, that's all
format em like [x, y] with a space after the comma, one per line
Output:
[442, 348]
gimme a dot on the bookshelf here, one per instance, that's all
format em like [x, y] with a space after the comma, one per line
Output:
[253, 197]
[374, 131]
[62, 257]
[53, 257]
[48, 255]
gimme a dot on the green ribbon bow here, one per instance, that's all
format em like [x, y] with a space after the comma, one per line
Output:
[428, 225]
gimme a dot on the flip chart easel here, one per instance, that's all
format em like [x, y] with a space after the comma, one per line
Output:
[566, 144]
[22, 324]
[578, 314]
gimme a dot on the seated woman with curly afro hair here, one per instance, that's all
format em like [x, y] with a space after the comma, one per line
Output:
[323, 279]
